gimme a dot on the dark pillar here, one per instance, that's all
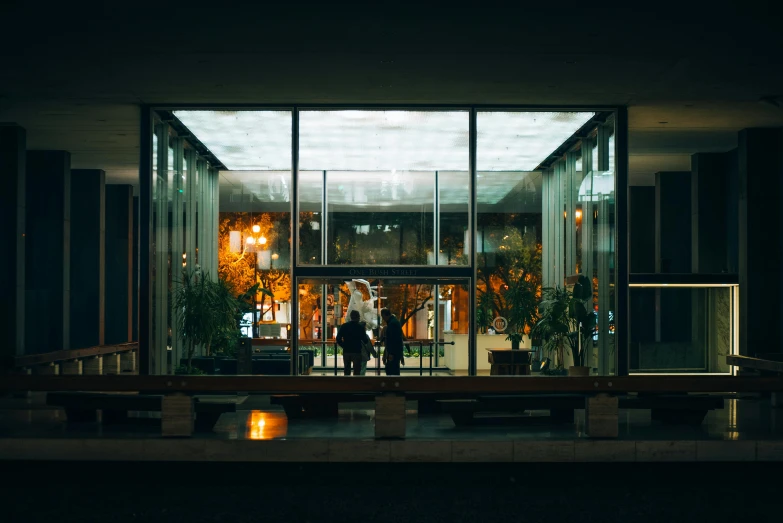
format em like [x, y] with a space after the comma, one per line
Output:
[641, 214]
[48, 251]
[119, 264]
[13, 143]
[709, 218]
[673, 255]
[135, 286]
[673, 222]
[732, 210]
[87, 257]
[760, 155]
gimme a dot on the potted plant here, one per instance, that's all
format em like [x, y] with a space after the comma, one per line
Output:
[205, 311]
[567, 321]
[510, 285]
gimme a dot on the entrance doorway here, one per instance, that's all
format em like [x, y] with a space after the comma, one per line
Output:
[434, 314]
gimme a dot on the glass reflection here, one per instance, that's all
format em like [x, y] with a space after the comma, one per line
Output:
[266, 425]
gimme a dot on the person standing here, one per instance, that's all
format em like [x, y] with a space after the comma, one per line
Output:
[350, 337]
[393, 338]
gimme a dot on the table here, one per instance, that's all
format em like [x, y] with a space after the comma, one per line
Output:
[509, 362]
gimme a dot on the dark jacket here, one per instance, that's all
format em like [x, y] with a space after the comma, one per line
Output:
[393, 338]
[350, 336]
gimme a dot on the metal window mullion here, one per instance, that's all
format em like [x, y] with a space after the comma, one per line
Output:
[159, 365]
[472, 224]
[604, 304]
[177, 241]
[559, 222]
[324, 220]
[587, 210]
[436, 241]
[545, 230]
[570, 232]
[190, 209]
[295, 241]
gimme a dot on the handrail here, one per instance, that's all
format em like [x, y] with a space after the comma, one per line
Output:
[71, 354]
[467, 385]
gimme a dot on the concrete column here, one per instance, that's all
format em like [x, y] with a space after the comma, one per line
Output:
[128, 361]
[389, 416]
[641, 215]
[602, 416]
[49, 369]
[71, 367]
[177, 415]
[92, 366]
[119, 264]
[48, 251]
[87, 257]
[672, 221]
[709, 201]
[760, 155]
[111, 364]
[13, 160]
[135, 286]
[673, 311]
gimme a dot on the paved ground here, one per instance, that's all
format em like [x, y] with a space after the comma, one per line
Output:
[218, 492]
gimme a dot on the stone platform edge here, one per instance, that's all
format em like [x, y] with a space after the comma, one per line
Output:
[402, 451]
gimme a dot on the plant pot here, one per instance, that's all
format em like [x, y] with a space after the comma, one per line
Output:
[578, 370]
[515, 344]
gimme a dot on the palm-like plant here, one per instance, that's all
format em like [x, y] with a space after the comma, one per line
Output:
[566, 320]
[205, 310]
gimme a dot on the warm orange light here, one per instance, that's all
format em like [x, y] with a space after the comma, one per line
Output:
[578, 214]
[262, 240]
[266, 425]
[275, 256]
[256, 229]
[250, 240]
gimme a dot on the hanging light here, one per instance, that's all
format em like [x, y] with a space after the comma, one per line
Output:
[262, 240]
[250, 240]
[234, 241]
[256, 229]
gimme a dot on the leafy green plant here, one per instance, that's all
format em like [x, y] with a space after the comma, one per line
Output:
[567, 320]
[192, 371]
[206, 311]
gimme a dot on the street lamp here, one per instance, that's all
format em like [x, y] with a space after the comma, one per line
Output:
[251, 245]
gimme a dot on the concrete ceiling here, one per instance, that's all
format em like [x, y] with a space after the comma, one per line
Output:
[73, 76]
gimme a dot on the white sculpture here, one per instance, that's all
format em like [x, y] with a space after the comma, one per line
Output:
[357, 302]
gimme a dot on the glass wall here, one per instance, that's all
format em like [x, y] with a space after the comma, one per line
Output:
[393, 186]
[388, 191]
[683, 328]
[545, 217]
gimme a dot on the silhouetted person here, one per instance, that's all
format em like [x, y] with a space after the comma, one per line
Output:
[392, 354]
[350, 337]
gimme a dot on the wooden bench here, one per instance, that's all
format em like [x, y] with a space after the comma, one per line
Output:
[83, 407]
[315, 405]
[769, 364]
[687, 409]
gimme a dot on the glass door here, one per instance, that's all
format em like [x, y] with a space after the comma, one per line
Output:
[433, 314]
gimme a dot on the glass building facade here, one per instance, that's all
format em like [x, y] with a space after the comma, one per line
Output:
[457, 219]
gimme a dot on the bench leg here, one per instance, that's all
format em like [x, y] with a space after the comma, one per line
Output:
[206, 421]
[679, 416]
[776, 399]
[81, 415]
[177, 414]
[462, 418]
[110, 417]
[601, 416]
[562, 415]
[389, 416]
[319, 408]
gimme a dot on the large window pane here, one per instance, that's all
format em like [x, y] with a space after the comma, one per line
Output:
[389, 176]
